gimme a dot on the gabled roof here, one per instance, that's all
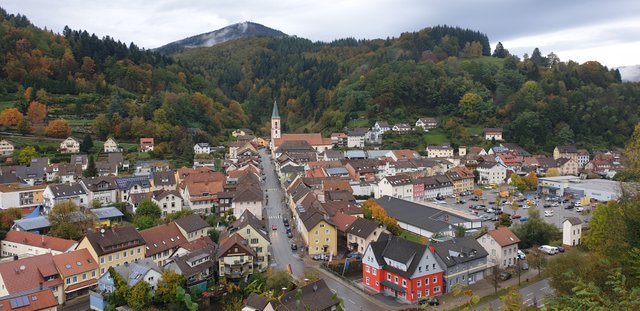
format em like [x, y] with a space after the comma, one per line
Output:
[66, 190]
[504, 236]
[195, 262]
[567, 149]
[362, 227]
[107, 241]
[75, 262]
[234, 240]
[574, 221]
[459, 250]
[314, 139]
[248, 194]
[32, 301]
[334, 207]
[164, 178]
[400, 250]
[106, 212]
[312, 218]
[343, 221]
[42, 241]
[315, 296]
[161, 238]
[126, 183]
[136, 271]
[27, 273]
[399, 180]
[422, 216]
[92, 183]
[248, 219]
[257, 302]
[191, 223]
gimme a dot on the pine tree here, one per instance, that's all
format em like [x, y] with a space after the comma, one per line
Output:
[86, 144]
[91, 170]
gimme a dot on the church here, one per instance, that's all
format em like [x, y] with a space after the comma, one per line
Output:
[316, 140]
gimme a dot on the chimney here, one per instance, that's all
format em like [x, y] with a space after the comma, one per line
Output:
[15, 257]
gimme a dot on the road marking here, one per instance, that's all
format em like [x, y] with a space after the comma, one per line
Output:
[543, 288]
[351, 301]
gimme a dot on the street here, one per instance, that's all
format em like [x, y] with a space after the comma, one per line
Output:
[533, 294]
[281, 253]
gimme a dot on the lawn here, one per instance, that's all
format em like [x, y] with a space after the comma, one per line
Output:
[359, 123]
[435, 137]
[407, 235]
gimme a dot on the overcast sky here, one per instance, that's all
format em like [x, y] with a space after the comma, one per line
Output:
[604, 30]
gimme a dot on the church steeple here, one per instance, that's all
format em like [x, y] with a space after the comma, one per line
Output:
[275, 121]
[275, 114]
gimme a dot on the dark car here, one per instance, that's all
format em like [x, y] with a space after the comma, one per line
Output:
[547, 206]
[504, 275]
[475, 199]
[432, 302]
[560, 248]
[289, 234]
[288, 229]
[294, 247]
[568, 206]
[285, 221]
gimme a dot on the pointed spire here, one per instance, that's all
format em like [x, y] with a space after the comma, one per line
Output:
[275, 114]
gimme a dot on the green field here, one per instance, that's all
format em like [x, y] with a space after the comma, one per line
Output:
[80, 122]
[435, 137]
[411, 236]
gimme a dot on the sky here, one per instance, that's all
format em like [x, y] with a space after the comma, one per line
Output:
[607, 31]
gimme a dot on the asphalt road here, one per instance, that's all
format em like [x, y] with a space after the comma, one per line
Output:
[533, 294]
[281, 253]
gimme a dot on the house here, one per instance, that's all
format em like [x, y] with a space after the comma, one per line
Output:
[356, 138]
[242, 149]
[235, 258]
[69, 145]
[427, 123]
[502, 246]
[23, 243]
[146, 167]
[582, 158]
[565, 151]
[79, 271]
[403, 269]
[253, 230]
[461, 178]
[572, 231]
[342, 222]
[247, 199]
[114, 246]
[162, 241]
[31, 175]
[401, 128]
[493, 134]
[21, 196]
[427, 219]
[63, 173]
[316, 141]
[202, 148]
[464, 261]
[399, 186]
[101, 189]
[339, 139]
[192, 227]
[319, 233]
[146, 144]
[6, 148]
[315, 296]
[57, 193]
[197, 266]
[381, 127]
[132, 273]
[436, 186]
[37, 225]
[40, 300]
[257, 302]
[241, 132]
[131, 185]
[439, 151]
[491, 173]
[362, 232]
[31, 274]
[567, 166]
[164, 180]
[79, 159]
[111, 146]
[107, 216]
[169, 201]
[199, 188]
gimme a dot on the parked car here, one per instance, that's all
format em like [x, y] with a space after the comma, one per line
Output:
[475, 199]
[320, 257]
[560, 248]
[274, 227]
[524, 266]
[289, 234]
[548, 213]
[521, 255]
[294, 247]
[288, 229]
[504, 275]
[432, 302]
[462, 202]
[568, 206]
[555, 204]
[516, 216]
[490, 210]
[524, 219]
[523, 206]
[577, 203]
[579, 209]
[546, 206]
[548, 249]
[285, 221]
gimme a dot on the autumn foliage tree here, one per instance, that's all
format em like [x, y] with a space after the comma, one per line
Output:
[37, 112]
[10, 117]
[58, 128]
[371, 207]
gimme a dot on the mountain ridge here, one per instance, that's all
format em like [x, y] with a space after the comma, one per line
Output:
[227, 33]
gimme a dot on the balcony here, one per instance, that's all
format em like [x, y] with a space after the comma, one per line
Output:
[236, 273]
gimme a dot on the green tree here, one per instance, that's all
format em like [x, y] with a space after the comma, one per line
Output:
[92, 170]
[504, 220]
[62, 221]
[606, 236]
[86, 144]
[7, 217]
[119, 295]
[278, 280]
[148, 208]
[460, 231]
[632, 156]
[169, 282]
[139, 297]
[26, 154]
[537, 258]
[143, 222]
[500, 51]
[536, 232]
[512, 301]
[177, 215]
[469, 105]
[214, 235]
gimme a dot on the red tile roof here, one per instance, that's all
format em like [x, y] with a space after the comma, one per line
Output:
[314, 139]
[42, 241]
[75, 262]
[162, 238]
[27, 273]
[40, 300]
[80, 285]
[504, 236]
[343, 221]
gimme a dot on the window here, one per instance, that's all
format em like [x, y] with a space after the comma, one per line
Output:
[395, 279]
[388, 276]
[75, 279]
[110, 258]
[101, 260]
[426, 293]
[68, 280]
[124, 254]
[404, 283]
[367, 280]
[377, 283]
[418, 283]
[93, 273]
[420, 294]
[435, 279]
[436, 289]
[374, 271]
[84, 276]
[102, 271]
[321, 225]
[426, 281]
[248, 231]
[366, 268]
[254, 241]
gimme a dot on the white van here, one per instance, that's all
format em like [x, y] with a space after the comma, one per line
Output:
[551, 250]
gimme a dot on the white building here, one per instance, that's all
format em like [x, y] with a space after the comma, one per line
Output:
[57, 193]
[398, 186]
[598, 189]
[493, 134]
[491, 173]
[355, 139]
[6, 148]
[111, 146]
[427, 123]
[439, 151]
[249, 198]
[169, 201]
[202, 148]
[502, 246]
[69, 145]
[22, 243]
[572, 231]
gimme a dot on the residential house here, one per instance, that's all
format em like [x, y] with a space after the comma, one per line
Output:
[253, 230]
[463, 259]
[404, 154]
[6, 148]
[107, 216]
[511, 161]
[427, 123]
[339, 139]
[316, 140]
[131, 185]
[69, 145]
[314, 296]
[241, 132]
[22, 243]
[461, 178]
[199, 188]
[437, 186]
[146, 167]
[571, 231]
[162, 241]
[38, 300]
[362, 232]
[493, 134]
[146, 144]
[142, 270]
[202, 148]
[439, 151]
[111, 146]
[101, 189]
[356, 138]
[502, 246]
[242, 149]
[319, 233]
[491, 173]
[79, 270]
[114, 246]
[565, 151]
[379, 128]
[582, 158]
[63, 173]
[192, 227]
[247, 199]
[57, 193]
[401, 128]
[235, 258]
[257, 302]
[79, 159]
[37, 225]
[21, 196]
[342, 222]
[399, 186]
[164, 180]
[31, 274]
[427, 219]
[567, 166]
[402, 269]
[197, 267]
[30, 175]
[169, 201]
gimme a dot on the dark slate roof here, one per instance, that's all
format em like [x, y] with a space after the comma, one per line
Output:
[248, 219]
[114, 239]
[295, 146]
[126, 183]
[275, 114]
[191, 223]
[186, 262]
[256, 301]
[399, 180]
[66, 190]
[574, 221]
[311, 219]
[362, 227]
[567, 149]
[487, 164]
[421, 216]
[401, 250]
[106, 212]
[164, 178]
[28, 172]
[93, 182]
[315, 296]
[459, 250]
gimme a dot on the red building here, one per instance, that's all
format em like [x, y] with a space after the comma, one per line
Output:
[402, 269]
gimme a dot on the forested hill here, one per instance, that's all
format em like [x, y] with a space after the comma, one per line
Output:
[440, 71]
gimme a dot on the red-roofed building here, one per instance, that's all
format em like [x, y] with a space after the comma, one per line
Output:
[162, 241]
[146, 144]
[79, 270]
[199, 188]
[31, 273]
[43, 300]
[502, 246]
[23, 243]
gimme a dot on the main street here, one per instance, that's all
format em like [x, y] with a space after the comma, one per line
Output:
[281, 253]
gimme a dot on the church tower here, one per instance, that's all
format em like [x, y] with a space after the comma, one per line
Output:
[275, 122]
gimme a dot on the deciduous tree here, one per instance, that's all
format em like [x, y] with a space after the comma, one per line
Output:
[63, 224]
[10, 117]
[169, 282]
[26, 154]
[37, 112]
[139, 297]
[58, 128]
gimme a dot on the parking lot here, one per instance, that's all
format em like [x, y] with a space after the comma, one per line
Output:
[488, 199]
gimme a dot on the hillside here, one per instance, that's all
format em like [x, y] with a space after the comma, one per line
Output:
[222, 35]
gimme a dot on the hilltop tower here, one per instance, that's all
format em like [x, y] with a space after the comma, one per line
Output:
[275, 122]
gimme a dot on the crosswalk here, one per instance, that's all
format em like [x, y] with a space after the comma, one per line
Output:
[275, 217]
